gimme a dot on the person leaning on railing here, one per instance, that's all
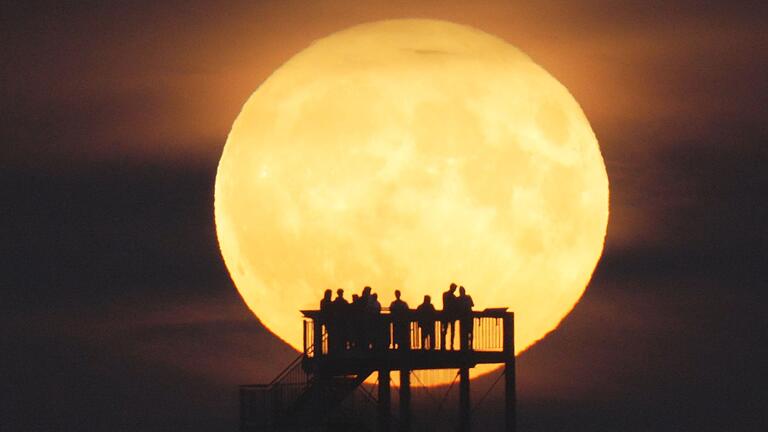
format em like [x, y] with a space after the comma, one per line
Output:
[325, 307]
[400, 323]
[448, 316]
[374, 332]
[338, 325]
[464, 305]
[425, 316]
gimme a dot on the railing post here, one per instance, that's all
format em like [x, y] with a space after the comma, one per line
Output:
[317, 336]
[510, 397]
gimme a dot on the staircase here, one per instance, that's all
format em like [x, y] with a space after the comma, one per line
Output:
[296, 400]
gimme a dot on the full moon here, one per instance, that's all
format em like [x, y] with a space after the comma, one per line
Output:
[409, 154]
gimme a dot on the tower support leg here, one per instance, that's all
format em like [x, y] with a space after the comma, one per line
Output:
[405, 400]
[510, 397]
[384, 409]
[464, 419]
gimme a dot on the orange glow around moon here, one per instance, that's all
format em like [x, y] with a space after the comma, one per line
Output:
[408, 154]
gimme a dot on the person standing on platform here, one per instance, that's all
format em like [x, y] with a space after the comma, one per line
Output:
[366, 321]
[325, 309]
[375, 306]
[425, 315]
[464, 306]
[376, 332]
[357, 315]
[365, 298]
[400, 322]
[339, 320]
[448, 316]
[326, 300]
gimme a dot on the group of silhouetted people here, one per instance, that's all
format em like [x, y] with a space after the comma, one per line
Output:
[351, 325]
[360, 325]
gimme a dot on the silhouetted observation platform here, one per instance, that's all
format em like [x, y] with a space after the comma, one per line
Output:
[338, 357]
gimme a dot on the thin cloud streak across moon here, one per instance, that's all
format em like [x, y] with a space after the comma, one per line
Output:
[407, 154]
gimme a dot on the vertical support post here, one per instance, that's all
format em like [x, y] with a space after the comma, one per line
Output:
[384, 401]
[510, 397]
[464, 419]
[243, 411]
[405, 400]
[317, 337]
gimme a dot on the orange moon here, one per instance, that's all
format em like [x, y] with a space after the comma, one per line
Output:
[407, 154]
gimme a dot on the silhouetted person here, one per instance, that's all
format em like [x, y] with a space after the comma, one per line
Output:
[356, 315]
[339, 318]
[340, 303]
[366, 295]
[425, 315]
[325, 306]
[326, 301]
[375, 306]
[464, 307]
[448, 316]
[365, 323]
[399, 311]
[376, 331]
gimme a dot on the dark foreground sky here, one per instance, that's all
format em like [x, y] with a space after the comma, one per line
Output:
[117, 314]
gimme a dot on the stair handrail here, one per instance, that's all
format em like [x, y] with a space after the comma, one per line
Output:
[288, 369]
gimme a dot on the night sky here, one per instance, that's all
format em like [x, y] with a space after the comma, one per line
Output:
[116, 310]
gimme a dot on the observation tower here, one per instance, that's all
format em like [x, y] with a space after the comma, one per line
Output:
[309, 394]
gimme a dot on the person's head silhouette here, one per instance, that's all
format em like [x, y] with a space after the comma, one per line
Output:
[462, 291]
[453, 287]
[397, 294]
[327, 295]
[340, 292]
[427, 299]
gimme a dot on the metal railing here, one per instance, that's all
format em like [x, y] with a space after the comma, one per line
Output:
[262, 404]
[378, 332]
